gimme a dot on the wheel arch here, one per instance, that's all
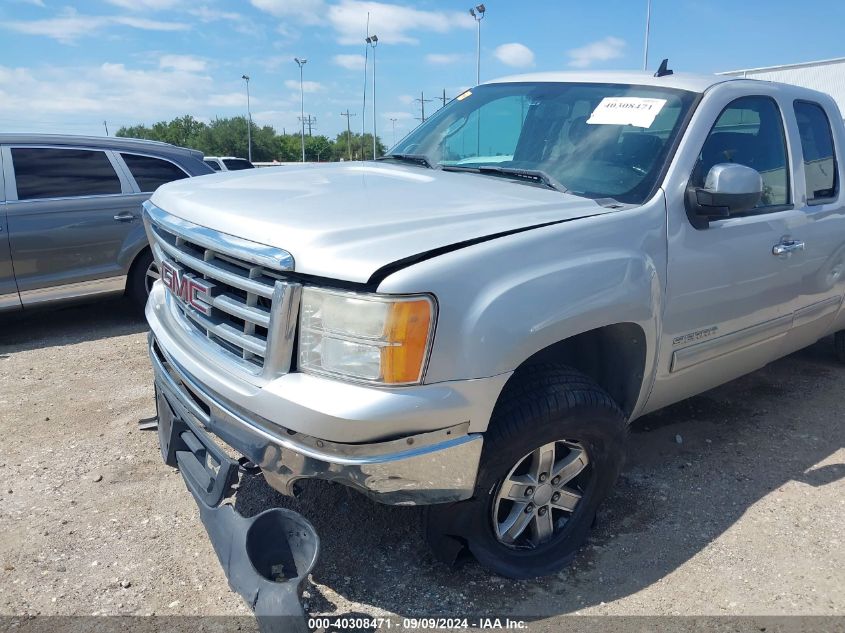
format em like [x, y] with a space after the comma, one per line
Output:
[134, 263]
[613, 355]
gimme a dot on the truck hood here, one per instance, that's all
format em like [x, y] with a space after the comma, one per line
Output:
[346, 221]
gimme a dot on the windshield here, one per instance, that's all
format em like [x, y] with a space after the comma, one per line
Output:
[596, 140]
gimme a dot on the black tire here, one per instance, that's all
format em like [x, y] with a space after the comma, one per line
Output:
[839, 345]
[540, 404]
[137, 287]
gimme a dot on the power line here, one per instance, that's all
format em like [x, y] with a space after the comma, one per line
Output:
[444, 98]
[310, 121]
[422, 101]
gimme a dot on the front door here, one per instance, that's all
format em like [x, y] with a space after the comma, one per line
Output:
[730, 296]
[68, 221]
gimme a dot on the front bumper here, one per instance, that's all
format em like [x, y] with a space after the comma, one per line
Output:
[433, 467]
[266, 557]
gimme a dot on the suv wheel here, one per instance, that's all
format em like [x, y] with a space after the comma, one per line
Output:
[839, 345]
[553, 451]
[142, 276]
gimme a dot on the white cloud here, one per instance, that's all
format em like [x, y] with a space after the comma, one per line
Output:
[515, 54]
[307, 86]
[149, 25]
[598, 51]
[445, 58]
[306, 11]
[406, 99]
[206, 14]
[184, 63]
[145, 5]
[70, 26]
[350, 62]
[391, 22]
[35, 3]
[60, 99]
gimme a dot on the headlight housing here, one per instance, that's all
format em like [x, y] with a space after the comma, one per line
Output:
[373, 338]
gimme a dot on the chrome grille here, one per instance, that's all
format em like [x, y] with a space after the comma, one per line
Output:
[254, 308]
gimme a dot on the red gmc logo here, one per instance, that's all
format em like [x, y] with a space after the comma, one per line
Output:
[187, 288]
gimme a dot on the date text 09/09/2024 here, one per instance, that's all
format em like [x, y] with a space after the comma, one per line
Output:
[356, 623]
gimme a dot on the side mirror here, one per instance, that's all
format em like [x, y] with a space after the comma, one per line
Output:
[729, 189]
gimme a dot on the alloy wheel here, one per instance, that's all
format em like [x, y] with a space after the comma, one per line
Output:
[540, 494]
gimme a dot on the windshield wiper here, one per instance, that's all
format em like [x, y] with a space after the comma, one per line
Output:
[417, 159]
[533, 176]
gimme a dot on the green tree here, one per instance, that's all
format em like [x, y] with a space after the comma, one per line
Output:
[228, 137]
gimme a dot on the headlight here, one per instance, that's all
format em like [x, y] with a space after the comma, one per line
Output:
[380, 339]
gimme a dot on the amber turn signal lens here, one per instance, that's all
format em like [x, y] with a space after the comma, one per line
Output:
[407, 331]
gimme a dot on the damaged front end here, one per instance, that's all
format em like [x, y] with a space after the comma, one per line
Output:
[265, 557]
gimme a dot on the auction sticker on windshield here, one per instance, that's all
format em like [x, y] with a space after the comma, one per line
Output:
[636, 111]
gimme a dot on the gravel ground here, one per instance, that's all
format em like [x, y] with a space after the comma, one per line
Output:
[732, 503]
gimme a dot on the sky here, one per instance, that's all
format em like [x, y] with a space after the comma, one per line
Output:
[66, 66]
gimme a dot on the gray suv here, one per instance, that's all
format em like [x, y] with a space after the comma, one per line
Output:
[70, 214]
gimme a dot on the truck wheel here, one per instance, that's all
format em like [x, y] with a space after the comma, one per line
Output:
[839, 345]
[553, 451]
[142, 275]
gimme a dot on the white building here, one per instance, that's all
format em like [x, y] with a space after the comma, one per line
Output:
[825, 76]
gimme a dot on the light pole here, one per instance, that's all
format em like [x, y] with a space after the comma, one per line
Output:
[393, 121]
[647, 28]
[478, 14]
[372, 40]
[301, 63]
[248, 120]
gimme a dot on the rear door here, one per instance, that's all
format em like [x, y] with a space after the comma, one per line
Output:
[822, 238]
[69, 216]
[9, 299]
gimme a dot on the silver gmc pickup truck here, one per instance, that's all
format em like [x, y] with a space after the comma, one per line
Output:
[471, 322]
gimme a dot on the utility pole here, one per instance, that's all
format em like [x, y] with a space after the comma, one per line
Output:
[422, 101]
[372, 40]
[248, 120]
[106, 125]
[301, 63]
[477, 14]
[647, 29]
[444, 98]
[311, 122]
[348, 114]
[393, 121]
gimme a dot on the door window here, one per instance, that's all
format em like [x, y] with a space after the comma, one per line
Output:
[150, 173]
[749, 131]
[820, 169]
[44, 172]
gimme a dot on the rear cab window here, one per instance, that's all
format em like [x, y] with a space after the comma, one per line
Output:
[235, 164]
[45, 172]
[150, 173]
[212, 163]
[820, 168]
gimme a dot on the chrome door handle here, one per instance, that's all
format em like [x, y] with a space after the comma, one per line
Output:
[787, 247]
[124, 217]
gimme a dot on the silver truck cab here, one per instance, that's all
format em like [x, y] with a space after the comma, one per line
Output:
[472, 321]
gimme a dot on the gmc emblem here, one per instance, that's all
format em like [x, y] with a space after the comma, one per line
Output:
[188, 288]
